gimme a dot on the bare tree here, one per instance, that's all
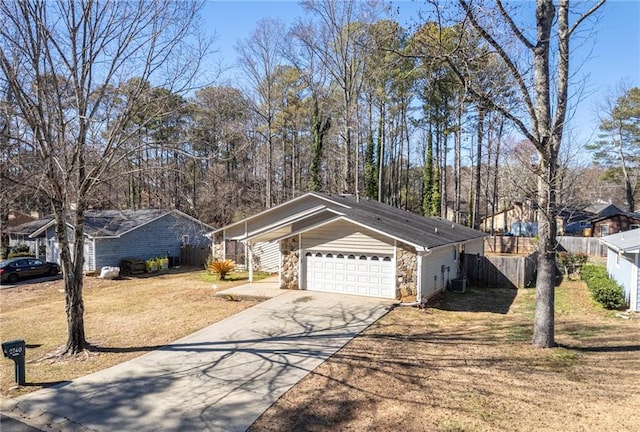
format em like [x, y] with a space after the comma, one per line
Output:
[261, 57]
[61, 59]
[338, 40]
[544, 91]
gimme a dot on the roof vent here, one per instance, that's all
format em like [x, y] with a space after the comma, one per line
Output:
[436, 229]
[453, 226]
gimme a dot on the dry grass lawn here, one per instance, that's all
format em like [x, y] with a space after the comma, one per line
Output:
[123, 319]
[467, 365]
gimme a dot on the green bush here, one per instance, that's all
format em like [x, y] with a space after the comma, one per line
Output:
[603, 289]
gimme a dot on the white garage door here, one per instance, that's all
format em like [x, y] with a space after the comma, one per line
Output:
[358, 274]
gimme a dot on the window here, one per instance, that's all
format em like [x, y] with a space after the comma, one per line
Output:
[604, 230]
[185, 240]
[635, 226]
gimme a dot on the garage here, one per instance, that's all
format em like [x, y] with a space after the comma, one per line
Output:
[350, 273]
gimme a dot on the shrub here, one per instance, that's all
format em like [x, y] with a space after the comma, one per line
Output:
[19, 254]
[603, 289]
[221, 268]
[572, 262]
[20, 248]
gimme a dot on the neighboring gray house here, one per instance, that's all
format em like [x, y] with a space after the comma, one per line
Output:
[336, 243]
[111, 235]
[623, 262]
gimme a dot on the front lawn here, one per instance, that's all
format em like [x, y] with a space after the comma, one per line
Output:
[467, 365]
[123, 319]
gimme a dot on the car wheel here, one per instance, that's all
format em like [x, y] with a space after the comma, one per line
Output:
[13, 278]
[53, 271]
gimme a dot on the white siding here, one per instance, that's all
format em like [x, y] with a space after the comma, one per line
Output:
[474, 247]
[620, 269]
[266, 256]
[89, 256]
[432, 278]
[273, 216]
[637, 270]
[343, 236]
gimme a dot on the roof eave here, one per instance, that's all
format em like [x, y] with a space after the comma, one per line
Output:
[271, 209]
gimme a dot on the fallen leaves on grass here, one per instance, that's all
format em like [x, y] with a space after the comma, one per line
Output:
[469, 366]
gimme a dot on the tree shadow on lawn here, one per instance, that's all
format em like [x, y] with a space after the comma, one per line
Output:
[474, 299]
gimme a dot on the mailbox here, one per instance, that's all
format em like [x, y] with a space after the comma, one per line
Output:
[15, 350]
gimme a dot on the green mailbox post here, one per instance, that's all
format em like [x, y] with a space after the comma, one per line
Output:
[15, 350]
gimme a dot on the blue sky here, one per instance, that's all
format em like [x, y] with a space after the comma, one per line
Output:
[611, 50]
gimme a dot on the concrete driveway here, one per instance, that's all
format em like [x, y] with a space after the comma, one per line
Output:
[221, 378]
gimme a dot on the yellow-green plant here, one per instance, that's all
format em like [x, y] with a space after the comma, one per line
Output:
[222, 268]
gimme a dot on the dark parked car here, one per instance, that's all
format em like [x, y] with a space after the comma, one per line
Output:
[14, 269]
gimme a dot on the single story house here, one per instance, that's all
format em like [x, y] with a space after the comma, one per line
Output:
[21, 235]
[623, 262]
[13, 219]
[573, 221]
[342, 244]
[519, 218]
[611, 220]
[111, 235]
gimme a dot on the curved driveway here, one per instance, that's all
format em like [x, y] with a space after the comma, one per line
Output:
[221, 378]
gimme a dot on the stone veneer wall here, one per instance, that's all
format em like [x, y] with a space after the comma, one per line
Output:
[406, 271]
[217, 253]
[290, 258]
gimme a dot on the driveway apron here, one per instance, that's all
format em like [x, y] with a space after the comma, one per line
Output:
[221, 378]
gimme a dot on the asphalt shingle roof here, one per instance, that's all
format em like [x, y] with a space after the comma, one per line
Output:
[101, 223]
[429, 232]
[112, 223]
[30, 227]
[624, 241]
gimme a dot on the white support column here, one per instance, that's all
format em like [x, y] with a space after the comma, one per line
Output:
[250, 262]
[301, 276]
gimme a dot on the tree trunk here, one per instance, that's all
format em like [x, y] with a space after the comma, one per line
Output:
[544, 322]
[476, 194]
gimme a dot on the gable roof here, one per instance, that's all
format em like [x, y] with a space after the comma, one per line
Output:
[625, 241]
[28, 228]
[17, 218]
[116, 223]
[407, 227]
[612, 210]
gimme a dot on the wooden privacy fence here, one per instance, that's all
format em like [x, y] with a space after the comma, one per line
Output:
[515, 271]
[527, 245]
[193, 255]
[509, 244]
[589, 245]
